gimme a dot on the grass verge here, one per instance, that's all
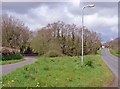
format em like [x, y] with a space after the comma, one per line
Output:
[99, 51]
[10, 61]
[114, 52]
[61, 72]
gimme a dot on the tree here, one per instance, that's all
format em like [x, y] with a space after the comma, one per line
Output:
[65, 38]
[14, 33]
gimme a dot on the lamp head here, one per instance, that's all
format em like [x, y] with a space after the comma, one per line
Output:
[92, 5]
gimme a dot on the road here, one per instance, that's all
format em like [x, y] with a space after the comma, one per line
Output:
[112, 63]
[6, 69]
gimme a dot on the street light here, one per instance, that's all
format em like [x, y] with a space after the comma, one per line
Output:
[90, 6]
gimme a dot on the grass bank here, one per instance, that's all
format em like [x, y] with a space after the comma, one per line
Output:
[115, 53]
[10, 61]
[61, 72]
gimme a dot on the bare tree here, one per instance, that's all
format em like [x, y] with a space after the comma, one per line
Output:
[14, 33]
[65, 38]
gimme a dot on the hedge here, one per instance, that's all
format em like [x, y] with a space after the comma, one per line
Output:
[9, 54]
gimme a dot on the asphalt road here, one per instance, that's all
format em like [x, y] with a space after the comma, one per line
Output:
[6, 69]
[112, 62]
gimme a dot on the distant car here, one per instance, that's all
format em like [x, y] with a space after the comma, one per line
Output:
[103, 46]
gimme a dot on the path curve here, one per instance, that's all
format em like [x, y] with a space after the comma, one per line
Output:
[6, 69]
[112, 62]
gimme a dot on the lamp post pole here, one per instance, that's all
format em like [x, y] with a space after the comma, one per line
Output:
[90, 6]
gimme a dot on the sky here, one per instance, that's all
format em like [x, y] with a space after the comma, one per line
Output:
[103, 18]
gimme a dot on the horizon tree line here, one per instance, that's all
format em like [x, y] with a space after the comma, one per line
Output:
[58, 36]
[65, 39]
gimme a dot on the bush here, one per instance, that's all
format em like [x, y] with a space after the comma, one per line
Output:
[89, 63]
[9, 54]
[53, 53]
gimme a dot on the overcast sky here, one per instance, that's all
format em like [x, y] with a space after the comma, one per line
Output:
[103, 18]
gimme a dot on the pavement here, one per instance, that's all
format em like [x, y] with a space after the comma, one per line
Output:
[112, 62]
[6, 69]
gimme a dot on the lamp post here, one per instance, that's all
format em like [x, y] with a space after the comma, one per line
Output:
[90, 6]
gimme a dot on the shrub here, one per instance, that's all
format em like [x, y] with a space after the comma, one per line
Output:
[89, 63]
[11, 56]
[53, 53]
[8, 54]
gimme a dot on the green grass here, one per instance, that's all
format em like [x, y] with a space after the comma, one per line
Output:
[115, 53]
[10, 61]
[60, 72]
[99, 51]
